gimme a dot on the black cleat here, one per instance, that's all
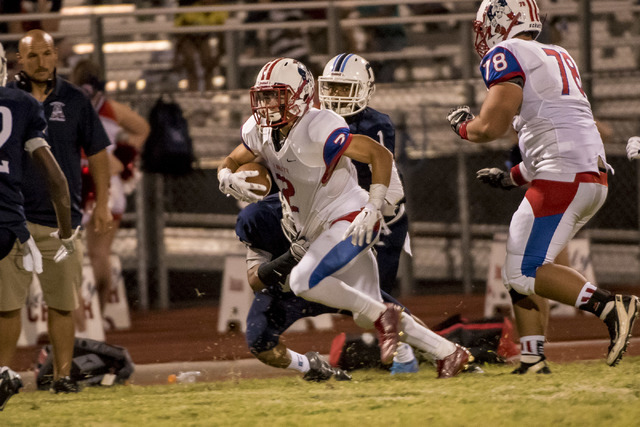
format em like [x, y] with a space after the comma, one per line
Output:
[320, 370]
[64, 385]
[537, 367]
[620, 321]
[10, 384]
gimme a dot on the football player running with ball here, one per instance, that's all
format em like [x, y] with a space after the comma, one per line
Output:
[309, 152]
[537, 89]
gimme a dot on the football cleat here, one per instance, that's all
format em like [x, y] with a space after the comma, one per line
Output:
[388, 328]
[410, 367]
[454, 363]
[620, 321]
[536, 367]
[10, 384]
[64, 385]
[320, 370]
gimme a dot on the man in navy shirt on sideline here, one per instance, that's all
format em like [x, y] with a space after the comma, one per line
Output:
[23, 130]
[73, 126]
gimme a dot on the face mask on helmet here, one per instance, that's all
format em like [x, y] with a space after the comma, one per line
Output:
[346, 84]
[3, 66]
[499, 20]
[282, 93]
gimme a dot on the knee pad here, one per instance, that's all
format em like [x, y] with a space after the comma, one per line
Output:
[362, 321]
[518, 282]
[515, 296]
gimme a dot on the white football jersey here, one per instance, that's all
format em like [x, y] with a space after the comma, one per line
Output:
[319, 184]
[556, 130]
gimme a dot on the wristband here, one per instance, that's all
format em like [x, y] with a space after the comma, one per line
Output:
[377, 192]
[462, 130]
[223, 173]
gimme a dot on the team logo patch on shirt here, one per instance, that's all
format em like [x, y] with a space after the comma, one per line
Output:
[57, 115]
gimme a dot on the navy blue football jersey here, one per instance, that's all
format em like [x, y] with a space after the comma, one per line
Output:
[377, 126]
[73, 125]
[21, 120]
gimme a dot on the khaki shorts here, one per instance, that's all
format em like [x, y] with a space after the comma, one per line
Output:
[59, 282]
[14, 280]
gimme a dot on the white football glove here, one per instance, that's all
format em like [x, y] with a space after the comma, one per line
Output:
[633, 148]
[235, 184]
[362, 227]
[68, 245]
[31, 256]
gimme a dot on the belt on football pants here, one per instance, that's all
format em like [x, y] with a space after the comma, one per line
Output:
[399, 211]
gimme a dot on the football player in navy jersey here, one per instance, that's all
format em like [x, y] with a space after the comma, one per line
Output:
[73, 126]
[23, 130]
[536, 88]
[346, 86]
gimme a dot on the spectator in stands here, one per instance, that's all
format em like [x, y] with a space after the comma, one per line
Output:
[192, 50]
[73, 125]
[127, 132]
[564, 161]
[383, 38]
[24, 129]
[285, 42]
[33, 6]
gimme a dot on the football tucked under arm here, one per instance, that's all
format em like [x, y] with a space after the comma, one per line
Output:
[262, 178]
[249, 183]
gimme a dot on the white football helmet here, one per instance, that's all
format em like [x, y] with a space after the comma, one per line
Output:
[499, 20]
[346, 84]
[3, 66]
[283, 92]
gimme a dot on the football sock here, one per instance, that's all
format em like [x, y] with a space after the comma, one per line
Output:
[335, 293]
[299, 362]
[425, 339]
[593, 299]
[404, 353]
[531, 348]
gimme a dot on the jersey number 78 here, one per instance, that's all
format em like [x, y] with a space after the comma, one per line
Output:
[564, 62]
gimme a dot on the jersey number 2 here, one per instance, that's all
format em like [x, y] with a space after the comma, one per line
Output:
[5, 133]
[565, 60]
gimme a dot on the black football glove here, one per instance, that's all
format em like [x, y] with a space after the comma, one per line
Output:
[458, 115]
[496, 178]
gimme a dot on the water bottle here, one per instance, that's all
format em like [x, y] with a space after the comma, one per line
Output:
[188, 377]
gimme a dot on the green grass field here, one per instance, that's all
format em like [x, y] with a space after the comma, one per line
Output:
[580, 394]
